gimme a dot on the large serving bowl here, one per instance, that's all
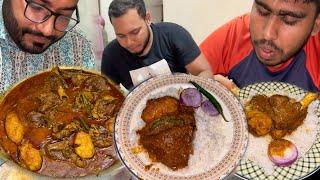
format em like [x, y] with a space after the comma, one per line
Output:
[59, 122]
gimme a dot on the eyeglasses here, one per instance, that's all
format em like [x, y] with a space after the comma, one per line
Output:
[38, 14]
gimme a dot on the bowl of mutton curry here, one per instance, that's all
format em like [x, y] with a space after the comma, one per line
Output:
[59, 122]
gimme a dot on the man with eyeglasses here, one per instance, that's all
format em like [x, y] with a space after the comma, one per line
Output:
[38, 34]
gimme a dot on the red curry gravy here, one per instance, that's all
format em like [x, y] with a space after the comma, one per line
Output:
[60, 123]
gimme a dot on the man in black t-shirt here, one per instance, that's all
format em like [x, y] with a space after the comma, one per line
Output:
[142, 50]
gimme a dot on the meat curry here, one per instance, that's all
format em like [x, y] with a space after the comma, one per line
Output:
[60, 123]
[168, 133]
[278, 115]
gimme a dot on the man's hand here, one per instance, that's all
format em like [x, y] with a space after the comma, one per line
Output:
[228, 83]
[200, 67]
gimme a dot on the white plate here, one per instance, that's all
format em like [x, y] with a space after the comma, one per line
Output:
[304, 166]
[225, 156]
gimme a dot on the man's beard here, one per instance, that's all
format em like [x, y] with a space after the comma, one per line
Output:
[17, 33]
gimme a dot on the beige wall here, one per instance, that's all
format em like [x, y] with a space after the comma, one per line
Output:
[201, 17]
[88, 10]
[104, 13]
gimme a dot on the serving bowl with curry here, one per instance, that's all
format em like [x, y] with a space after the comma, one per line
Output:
[59, 122]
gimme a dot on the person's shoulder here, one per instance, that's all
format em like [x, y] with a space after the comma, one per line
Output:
[312, 47]
[168, 27]
[76, 37]
[78, 33]
[113, 49]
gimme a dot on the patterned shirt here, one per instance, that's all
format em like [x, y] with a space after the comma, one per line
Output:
[15, 65]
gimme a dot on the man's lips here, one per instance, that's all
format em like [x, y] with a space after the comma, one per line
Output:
[39, 39]
[266, 52]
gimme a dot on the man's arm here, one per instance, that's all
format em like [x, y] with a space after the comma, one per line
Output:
[107, 63]
[188, 53]
[200, 67]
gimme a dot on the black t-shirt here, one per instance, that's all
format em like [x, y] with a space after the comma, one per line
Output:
[170, 42]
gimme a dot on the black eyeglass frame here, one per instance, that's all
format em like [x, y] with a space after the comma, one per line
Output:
[52, 14]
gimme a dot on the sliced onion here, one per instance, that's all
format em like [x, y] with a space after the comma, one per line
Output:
[208, 108]
[191, 97]
[282, 152]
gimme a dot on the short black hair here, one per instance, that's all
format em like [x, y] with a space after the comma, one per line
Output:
[118, 8]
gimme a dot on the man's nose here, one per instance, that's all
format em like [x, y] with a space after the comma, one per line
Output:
[271, 28]
[47, 27]
[129, 41]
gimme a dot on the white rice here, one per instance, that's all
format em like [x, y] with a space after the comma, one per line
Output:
[212, 139]
[303, 137]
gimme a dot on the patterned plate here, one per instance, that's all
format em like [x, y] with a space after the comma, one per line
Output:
[235, 132]
[303, 167]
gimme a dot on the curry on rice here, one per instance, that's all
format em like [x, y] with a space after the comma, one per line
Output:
[60, 123]
[168, 133]
[278, 115]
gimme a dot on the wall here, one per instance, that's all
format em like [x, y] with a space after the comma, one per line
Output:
[201, 17]
[104, 5]
[88, 9]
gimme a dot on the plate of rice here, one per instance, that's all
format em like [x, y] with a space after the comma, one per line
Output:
[256, 164]
[218, 146]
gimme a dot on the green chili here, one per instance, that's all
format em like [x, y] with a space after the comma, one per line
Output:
[84, 124]
[171, 121]
[87, 104]
[211, 98]
[164, 123]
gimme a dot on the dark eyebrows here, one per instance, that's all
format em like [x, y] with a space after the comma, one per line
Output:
[292, 14]
[260, 3]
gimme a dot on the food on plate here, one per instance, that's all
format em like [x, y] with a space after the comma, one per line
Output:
[211, 98]
[228, 83]
[282, 152]
[288, 114]
[58, 123]
[168, 133]
[308, 98]
[30, 156]
[209, 108]
[191, 97]
[84, 146]
[278, 133]
[156, 108]
[259, 123]
[14, 127]
[278, 115]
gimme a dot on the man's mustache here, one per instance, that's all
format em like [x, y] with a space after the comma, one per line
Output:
[37, 33]
[267, 43]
